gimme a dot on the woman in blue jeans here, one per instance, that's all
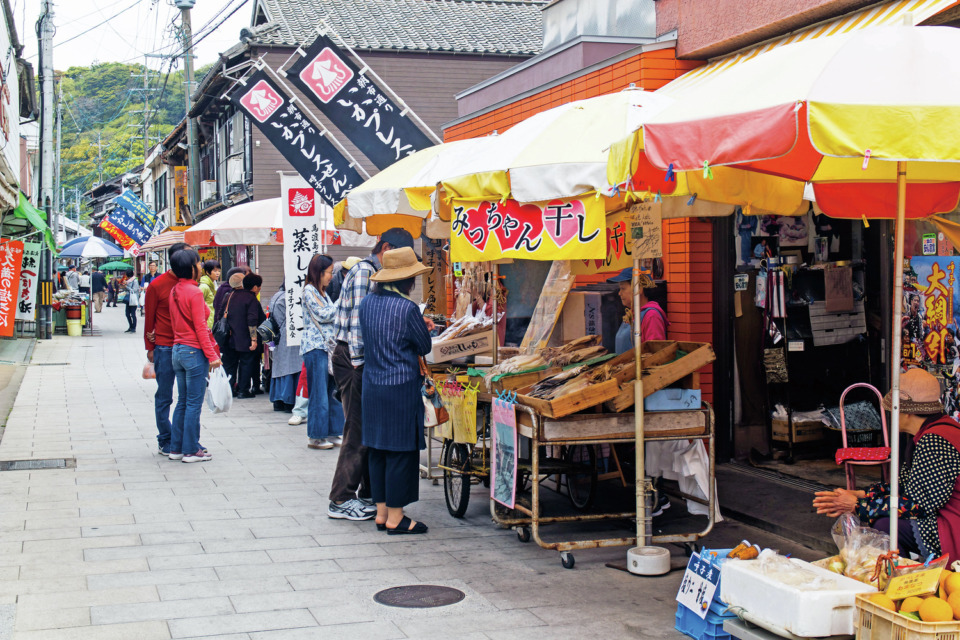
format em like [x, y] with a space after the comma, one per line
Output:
[324, 413]
[194, 355]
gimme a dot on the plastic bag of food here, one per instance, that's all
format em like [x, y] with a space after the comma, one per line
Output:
[786, 571]
[859, 549]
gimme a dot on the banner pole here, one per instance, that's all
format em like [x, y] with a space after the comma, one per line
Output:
[366, 70]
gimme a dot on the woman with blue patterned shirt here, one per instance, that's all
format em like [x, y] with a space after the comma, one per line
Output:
[324, 413]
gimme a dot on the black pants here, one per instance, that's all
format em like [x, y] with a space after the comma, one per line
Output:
[132, 317]
[230, 358]
[248, 370]
[394, 477]
[352, 476]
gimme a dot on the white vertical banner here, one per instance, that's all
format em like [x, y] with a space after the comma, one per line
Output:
[29, 276]
[302, 223]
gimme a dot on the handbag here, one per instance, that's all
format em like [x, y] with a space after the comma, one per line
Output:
[123, 295]
[221, 329]
[269, 330]
[435, 413]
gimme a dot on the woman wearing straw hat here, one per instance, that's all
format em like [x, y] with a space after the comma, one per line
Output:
[929, 513]
[395, 335]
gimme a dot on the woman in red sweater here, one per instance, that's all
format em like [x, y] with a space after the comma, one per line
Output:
[194, 355]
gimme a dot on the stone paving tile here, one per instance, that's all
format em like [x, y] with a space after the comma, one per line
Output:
[358, 631]
[166, 610]
[241, 623]
[31, 619]
[151, 630]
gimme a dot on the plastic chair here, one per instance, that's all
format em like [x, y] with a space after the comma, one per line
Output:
[851, 457]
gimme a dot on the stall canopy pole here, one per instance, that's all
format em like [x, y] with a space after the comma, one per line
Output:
[895, 353]
[641, 478]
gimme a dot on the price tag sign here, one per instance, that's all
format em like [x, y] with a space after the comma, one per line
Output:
[699, 583]
[920, 583]
[741, 282]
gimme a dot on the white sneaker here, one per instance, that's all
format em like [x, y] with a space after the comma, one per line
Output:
[295, 420]
[337, 440]
[199, 456]
[319, 443]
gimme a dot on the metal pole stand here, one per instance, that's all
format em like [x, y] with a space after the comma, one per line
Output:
[648, 560]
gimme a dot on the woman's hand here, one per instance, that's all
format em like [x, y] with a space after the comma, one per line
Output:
[214, 364]
[837, 502]
[430, 325]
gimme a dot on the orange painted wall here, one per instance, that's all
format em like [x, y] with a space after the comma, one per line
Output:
[687, 243]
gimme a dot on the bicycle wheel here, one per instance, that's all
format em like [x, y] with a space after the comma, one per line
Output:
[582, 483]
[456, 479]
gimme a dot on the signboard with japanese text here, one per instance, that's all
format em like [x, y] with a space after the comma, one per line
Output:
[138, 210]
[434, 291]
[29, 276]
[302, 228]
[646, 229]
[311, 153]
[181, 183]
[129, 224]
[572, 229]
[355, 104]
[11, 259]
[699, 583]
[619, 248]
[931, 303]
[122, 238]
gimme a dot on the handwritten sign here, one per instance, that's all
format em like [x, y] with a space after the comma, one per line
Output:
[919, 583]
[646, 230]
[838, 284]
[698, 586]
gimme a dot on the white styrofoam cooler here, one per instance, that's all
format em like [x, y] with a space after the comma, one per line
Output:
[809, 614]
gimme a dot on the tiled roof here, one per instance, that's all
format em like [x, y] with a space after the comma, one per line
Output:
[461, 26]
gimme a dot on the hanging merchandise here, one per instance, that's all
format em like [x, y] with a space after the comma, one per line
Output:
[504, 453]
[775, 364]
[461, 403]
[760, 298]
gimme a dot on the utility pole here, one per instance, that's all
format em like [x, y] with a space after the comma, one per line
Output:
[99, 159]
[46, 162]
[193, 155]
[57, 192]
[146, 101]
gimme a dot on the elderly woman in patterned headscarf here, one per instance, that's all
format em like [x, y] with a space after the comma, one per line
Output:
[929, 510]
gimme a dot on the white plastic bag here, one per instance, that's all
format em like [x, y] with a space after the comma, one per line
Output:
[219, 393]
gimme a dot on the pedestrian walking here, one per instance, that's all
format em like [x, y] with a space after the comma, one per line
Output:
[158, 339]
[113, 291]
[98, 286]
[208, 285]
[244, 314]
[194, 356]
[350, 490]
[301, 404]
[395, 335]
[285, 360]
[325, 413]
[132, 288]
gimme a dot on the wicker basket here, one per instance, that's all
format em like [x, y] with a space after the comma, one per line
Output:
[876, 623]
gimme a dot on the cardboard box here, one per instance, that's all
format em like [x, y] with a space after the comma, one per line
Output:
[808, 431]
[478, 343]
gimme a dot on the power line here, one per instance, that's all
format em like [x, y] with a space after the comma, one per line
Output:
[97, 26]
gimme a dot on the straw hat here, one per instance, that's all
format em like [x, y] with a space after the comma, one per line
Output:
[399, 264]
[350, 262]
[919, 394]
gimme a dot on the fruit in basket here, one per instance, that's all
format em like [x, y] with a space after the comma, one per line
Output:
[911, 604]
[954, 602]
[952, 583]
[935, 610]
[882, 600]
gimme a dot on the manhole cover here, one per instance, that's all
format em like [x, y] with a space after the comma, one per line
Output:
[35, 465]
[419, 596]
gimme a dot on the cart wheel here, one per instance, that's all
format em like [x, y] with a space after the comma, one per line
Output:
[566, 559]
[523, 534]
[582, 485]
[456, 484]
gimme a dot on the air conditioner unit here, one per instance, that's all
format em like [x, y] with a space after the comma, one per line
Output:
[235, 170]
[208, 190]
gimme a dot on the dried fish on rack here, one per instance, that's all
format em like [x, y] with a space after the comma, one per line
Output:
[515, 364]
[463, 327]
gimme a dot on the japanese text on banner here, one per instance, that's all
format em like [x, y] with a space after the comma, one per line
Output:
[122, 239]
[11, 258]
[302, 226]
[572, 229]
[29, 276]
[698, 586]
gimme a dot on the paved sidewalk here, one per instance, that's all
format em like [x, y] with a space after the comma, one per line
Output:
[131, 545]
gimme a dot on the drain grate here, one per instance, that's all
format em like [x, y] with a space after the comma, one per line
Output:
[50, 364]
[419, 596]
[36, 465]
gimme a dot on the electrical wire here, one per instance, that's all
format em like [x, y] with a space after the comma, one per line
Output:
[97, 26]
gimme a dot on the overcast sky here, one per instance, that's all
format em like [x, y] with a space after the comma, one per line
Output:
[142, 27]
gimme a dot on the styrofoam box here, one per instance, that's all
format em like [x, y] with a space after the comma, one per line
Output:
[809, 614]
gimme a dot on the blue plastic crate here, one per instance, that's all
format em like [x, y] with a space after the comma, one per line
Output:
[710, 628]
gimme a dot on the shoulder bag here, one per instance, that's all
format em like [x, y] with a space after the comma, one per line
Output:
[435, 413]
[221, 329]
[269, 330]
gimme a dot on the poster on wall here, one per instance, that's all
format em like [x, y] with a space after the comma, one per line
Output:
[503, 458]
[29, 276]
[11, 258]
[301, 241]
[931, 295]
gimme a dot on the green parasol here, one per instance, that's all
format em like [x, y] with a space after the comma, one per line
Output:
[116, 265]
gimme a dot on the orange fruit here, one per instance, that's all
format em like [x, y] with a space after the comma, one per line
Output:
[946, 573]
[882, 600]
[952, 583]
[935, 610]
[911, 604]
[954, 602]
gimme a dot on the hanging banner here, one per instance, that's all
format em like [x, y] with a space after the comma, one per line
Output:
[122, 239]
[11, 257]
[302, 227]
[287, 128]
[434, 292]
[29, 276]
[355, 104]
[126, 221]
[181, 182]
[137, 208]
[504, 456]
[619, 248]
[571, 229]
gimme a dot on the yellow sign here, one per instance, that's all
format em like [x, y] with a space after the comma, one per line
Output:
[571, 229]
[646, 230]
[919, 583]
[619, 248]
[180, 187]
